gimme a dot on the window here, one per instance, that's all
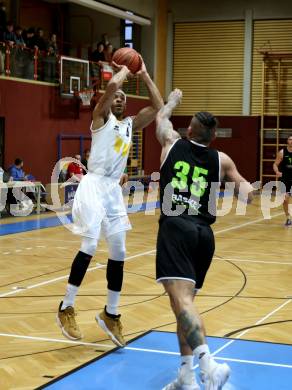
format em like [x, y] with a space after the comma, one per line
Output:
[128, 33]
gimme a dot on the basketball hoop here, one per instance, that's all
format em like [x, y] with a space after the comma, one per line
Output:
[86, 96]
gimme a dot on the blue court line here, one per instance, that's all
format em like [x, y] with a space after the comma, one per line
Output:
[139, 368]
[43, 223]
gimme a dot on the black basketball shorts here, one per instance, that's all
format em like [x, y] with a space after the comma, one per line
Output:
[185, 250]
[288, 185]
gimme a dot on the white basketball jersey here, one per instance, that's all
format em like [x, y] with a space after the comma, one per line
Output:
[110, 147]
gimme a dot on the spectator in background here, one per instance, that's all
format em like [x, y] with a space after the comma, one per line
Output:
[19, 57]
[51, 59]
[85, 159]
[2, 19]
[97, 58]
[104, 39]
[74, 170]
[2, 29]
[30, 40]
[108, 53]
[42, 46]
[98, 54]
[16, 171]
[40, 40]
[8, 35]
[18, 36]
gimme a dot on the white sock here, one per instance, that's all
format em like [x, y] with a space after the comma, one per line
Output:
[186, 373]
[187, 362]
[202, 353]
[113, 299]
[69, 299]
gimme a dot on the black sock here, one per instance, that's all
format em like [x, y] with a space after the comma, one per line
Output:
[79, 268]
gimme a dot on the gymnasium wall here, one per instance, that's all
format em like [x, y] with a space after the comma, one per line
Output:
[188, 10]
[35, 115]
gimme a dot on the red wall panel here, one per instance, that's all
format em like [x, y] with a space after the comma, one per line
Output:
[35, 115]
[242, 147]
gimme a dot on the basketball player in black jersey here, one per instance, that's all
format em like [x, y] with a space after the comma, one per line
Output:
[283, 170]
[190, 175]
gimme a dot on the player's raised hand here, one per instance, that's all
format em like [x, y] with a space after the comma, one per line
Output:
[175, 97]
[143, 69]
[117, 67]
[279, 174]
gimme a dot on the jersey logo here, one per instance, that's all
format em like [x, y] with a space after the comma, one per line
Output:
[116, 128]
[121, 146]
[128, 132]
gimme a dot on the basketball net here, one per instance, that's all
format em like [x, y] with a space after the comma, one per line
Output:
[86, 96]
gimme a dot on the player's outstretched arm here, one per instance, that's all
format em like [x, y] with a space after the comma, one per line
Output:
[102, 109]
[147, 114]
[164, 129]
[229, 173]
[277, 162]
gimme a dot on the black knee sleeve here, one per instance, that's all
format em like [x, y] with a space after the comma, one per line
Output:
[114, 275]
[79, 268]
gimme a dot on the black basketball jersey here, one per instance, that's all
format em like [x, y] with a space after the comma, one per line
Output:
[286, 164]
[185, 181]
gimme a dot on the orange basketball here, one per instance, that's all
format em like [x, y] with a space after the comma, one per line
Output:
[129, 57]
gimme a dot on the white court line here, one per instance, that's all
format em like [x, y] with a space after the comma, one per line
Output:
[146, 253]
[255, 362]
[254, 261]
[128, 258]
[247, 223]
[147, 350]
[98, 266]
[247, 330]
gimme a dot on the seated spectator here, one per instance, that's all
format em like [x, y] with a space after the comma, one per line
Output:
[75, 171]
[16, 171]
[85, 159]
[108, 53]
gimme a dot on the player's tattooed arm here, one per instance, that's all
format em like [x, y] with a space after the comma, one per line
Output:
[102, 109]
[164, 128]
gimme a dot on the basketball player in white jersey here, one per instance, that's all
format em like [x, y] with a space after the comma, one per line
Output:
[98, 204]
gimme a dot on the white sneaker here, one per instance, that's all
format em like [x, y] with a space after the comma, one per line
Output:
[183, 382]
[216, 377]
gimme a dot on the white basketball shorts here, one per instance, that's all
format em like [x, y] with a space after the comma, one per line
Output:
[98, 207]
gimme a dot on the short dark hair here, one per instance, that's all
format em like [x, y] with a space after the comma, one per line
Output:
[18, 161]
[207, 119]
[208, 124]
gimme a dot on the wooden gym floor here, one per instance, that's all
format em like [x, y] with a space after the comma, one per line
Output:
[247, 294]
